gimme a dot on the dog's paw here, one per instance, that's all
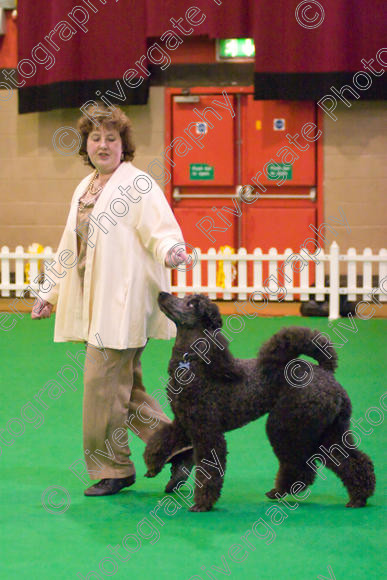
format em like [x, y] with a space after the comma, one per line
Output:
[271, 494]
[150, 473]
[153, 468]
[200, 508]
[356, 503]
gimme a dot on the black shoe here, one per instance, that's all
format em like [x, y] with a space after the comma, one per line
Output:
[110, 486]
[178, 474]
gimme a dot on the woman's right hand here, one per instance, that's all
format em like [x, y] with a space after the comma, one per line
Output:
[41, 309]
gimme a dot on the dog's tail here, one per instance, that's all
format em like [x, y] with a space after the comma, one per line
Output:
[291, 342]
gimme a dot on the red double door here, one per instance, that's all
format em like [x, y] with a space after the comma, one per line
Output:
[221, 141]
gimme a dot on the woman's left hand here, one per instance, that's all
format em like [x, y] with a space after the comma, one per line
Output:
[177, 255]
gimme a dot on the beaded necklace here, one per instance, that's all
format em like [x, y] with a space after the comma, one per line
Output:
[90, 188]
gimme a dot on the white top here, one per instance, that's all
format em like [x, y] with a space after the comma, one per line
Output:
[124, 265]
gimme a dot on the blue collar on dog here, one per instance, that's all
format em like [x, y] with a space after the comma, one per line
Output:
[185, 364]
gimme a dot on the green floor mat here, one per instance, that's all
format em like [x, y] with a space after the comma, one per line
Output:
[73, 536]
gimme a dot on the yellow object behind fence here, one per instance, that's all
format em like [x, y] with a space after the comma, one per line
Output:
[32, 249]
[220, 277]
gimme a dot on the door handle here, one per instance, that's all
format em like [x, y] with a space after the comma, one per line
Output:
[177, 196]
[311, 195]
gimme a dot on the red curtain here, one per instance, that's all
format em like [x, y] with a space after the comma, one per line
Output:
[302, 48]
[223, 18]
[96, 42]
[73, 51]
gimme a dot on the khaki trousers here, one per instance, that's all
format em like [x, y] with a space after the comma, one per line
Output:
[114, 401]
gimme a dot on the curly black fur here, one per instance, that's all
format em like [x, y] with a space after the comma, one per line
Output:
[227, 393]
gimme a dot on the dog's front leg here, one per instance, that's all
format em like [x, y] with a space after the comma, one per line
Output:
[160, 446]
[210, 459]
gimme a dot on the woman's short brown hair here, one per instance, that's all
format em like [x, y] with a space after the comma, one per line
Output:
[107, 117]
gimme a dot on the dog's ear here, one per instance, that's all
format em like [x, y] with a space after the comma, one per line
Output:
[209, 313]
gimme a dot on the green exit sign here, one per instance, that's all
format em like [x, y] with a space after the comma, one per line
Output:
[229, 48]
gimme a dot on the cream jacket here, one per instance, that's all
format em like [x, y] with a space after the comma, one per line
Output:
[131, 229]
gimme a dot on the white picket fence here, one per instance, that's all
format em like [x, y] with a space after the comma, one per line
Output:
[238, 284]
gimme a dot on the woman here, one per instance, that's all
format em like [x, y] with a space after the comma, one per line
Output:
[110, 265]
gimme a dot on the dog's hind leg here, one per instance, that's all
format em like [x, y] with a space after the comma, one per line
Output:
[353, 467]
[293, 440]
[161, 445]
[210, 455]
[287, 475]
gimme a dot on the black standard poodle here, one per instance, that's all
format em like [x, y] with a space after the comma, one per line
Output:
[215, 392]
